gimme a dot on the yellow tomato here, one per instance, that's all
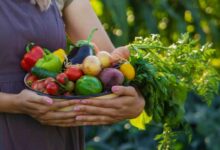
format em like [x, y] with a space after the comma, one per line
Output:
[128, 70]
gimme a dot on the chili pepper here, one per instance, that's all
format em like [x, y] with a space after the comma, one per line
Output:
[50, 62]
[34, 53]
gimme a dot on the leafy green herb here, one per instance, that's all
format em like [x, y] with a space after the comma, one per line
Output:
[165, 75]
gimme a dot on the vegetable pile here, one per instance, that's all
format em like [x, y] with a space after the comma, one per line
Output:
[165, 75]
[84, 71]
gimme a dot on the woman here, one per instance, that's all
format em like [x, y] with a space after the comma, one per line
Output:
[26, 122]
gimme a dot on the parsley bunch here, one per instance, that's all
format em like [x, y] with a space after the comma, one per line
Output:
[165, 75]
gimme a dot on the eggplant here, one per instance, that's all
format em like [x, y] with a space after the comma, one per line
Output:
[73, 53]
[83, 49]
[81, 54]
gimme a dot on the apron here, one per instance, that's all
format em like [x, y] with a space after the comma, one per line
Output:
[20, 23]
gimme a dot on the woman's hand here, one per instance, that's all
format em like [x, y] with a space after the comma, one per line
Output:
[28, 102]
[43, 109]
[120, 53]
[60, 118]
[128, 105]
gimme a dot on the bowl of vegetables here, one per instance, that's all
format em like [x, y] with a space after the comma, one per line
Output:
[83, 81]
[79, 74]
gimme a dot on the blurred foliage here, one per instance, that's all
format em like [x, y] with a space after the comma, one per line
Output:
[126, 19]
[204, 121]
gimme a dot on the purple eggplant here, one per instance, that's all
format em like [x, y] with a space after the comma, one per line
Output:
[81, 54]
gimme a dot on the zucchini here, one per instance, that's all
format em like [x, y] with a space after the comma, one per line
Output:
[42, 73]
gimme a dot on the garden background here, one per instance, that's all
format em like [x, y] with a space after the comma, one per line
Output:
[125, 19]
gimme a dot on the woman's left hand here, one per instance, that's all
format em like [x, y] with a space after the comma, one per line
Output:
[129, 104]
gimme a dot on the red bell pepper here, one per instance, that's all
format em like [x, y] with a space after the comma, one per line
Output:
[25, 65]
[34, 53]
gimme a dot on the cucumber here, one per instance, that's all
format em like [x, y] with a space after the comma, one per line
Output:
[42, 73]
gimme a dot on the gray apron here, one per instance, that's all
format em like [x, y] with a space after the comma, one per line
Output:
[20, 23]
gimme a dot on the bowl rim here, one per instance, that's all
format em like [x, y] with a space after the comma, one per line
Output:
[68, 97]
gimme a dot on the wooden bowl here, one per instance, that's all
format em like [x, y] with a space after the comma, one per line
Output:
[100, 96]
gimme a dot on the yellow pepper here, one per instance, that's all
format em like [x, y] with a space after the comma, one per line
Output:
[140, 121]
[128, 70]
[61, 54]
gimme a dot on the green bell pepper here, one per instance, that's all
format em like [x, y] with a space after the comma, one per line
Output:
[88, 85]
[50, 62]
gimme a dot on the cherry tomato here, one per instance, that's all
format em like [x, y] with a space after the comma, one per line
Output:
[34, 86]
[62, 78]
[30, 79]
[38, 85]
[52, 88]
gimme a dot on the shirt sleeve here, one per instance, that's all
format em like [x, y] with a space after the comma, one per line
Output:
[67, 2]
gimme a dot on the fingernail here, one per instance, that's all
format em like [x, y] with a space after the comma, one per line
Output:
[84, 101]
[48, 100]
[78, 118]
[76, 108]
[115, 89]
[76, 100]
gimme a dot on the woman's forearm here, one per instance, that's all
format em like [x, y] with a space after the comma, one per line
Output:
[80, 19]
[7, 103]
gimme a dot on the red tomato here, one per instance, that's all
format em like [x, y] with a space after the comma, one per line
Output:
[30, 79]
[38, 86]
[34, 86]
[62, 78]
[52, 88]
[73, 73]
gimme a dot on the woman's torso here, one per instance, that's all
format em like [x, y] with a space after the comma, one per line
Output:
[20, 23]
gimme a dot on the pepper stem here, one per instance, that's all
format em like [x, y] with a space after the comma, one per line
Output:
[46, 51]
[91, 35]
[80, 43]
[29, 46]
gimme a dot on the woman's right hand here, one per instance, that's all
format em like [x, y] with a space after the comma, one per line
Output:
[42, 109]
